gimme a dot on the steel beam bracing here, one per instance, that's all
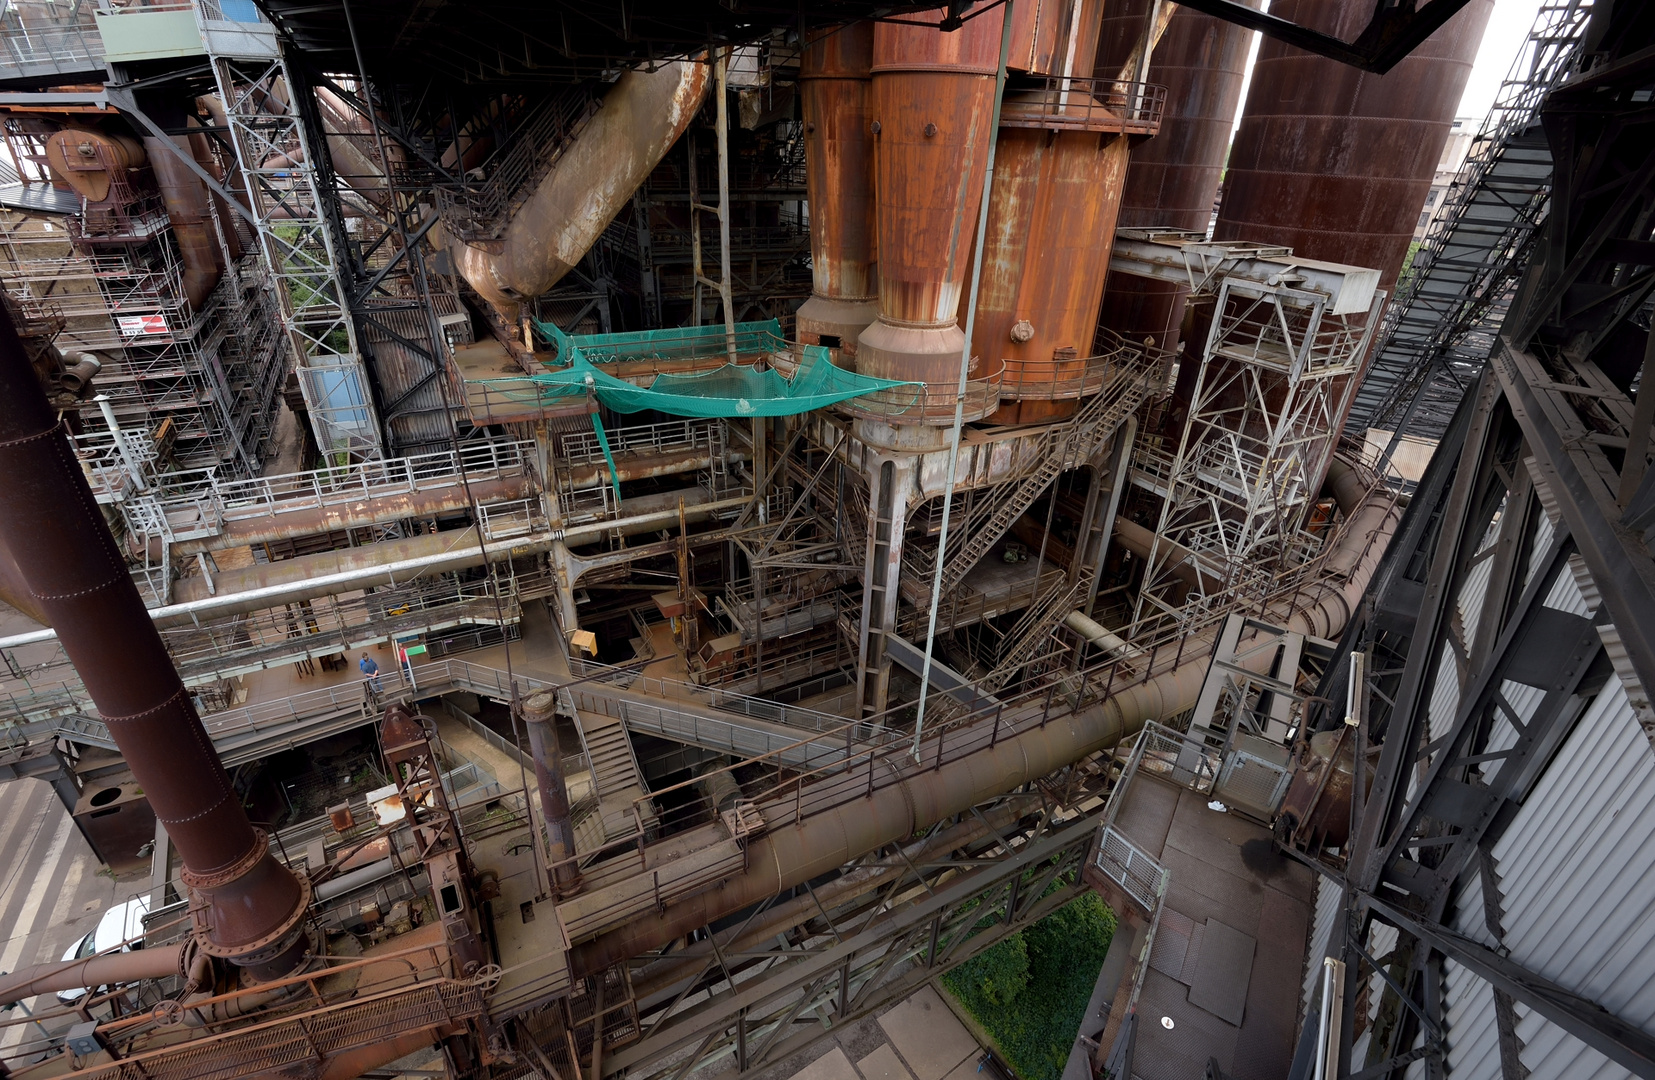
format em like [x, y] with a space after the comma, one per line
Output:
[297, 219]
[1521, 584]
[1275, 376]
[1439, 332]
[856, 959]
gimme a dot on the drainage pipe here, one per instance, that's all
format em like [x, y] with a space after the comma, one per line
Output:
[924, 793]
[250, 908]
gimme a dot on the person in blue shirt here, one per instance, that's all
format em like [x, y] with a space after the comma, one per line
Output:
[370, 671]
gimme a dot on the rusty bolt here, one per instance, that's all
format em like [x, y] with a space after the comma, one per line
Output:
[930, 131]
[810, 127]
[1022, 331]
[876, 127]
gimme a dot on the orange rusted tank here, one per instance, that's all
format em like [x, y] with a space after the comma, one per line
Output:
[1051, 222]
[1060, 164]
[932, 112]
[836, 89]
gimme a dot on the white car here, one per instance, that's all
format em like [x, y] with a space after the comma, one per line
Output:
[122, 922]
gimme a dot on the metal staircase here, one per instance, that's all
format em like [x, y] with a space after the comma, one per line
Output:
[1441, 328]
[1067, 445]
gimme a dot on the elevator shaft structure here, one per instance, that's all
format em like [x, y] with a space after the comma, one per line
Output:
[1273, 382]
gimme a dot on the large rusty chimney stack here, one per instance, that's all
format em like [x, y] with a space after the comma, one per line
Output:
[254, 907]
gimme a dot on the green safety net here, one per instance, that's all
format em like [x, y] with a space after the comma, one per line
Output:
[730, 390]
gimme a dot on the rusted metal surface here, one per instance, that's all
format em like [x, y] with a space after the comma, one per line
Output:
[642, 116]
[109, 969]
[252, 906]
[1335, 162]
[313, 521]
[919, 794]
[932, 99]
[1173, 178]
[185, 197]
[835, 91]
[1054, 37]
[539, 712]
[1051, 222]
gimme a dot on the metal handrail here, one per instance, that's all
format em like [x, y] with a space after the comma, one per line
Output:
[1062, 103]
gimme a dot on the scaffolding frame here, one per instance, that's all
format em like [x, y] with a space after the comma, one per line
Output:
[297, 229]
[1276, 376]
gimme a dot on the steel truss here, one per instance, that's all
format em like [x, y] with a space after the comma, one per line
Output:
[1439, 333]
[763, 1004]
[1275, 377]
[1541, 488]
[297, 217]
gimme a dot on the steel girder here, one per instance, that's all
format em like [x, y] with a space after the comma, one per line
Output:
[770, 1001]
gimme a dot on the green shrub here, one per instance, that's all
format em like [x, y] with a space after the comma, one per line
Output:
[1029, 992]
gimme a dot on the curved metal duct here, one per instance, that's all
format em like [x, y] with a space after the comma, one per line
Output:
[185, 198]
[924, 794]
[642, 116]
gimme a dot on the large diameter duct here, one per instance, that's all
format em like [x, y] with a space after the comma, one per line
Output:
[1173, 178]
[933, 96]
[185, 197]
[1335, 162]
[835, 91]
[925, 793]
[643, 114]
[250, 907]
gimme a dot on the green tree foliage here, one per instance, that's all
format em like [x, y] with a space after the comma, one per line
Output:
[1029, 992]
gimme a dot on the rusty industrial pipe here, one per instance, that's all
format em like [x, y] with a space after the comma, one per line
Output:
[642, 116]
[924, 793]
[539, 711]
[790, 913]
[251, 908]
[185, 197]
[105, 969]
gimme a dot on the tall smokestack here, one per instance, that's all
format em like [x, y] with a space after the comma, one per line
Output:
[253, 907]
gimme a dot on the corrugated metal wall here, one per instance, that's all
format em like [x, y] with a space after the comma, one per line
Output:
[1577, 868]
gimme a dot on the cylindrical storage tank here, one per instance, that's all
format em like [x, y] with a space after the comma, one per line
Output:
[835, 90]
[933, 96]
[1059, 164]
[1335, 162]
[1051, 224]
[1173, 178]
